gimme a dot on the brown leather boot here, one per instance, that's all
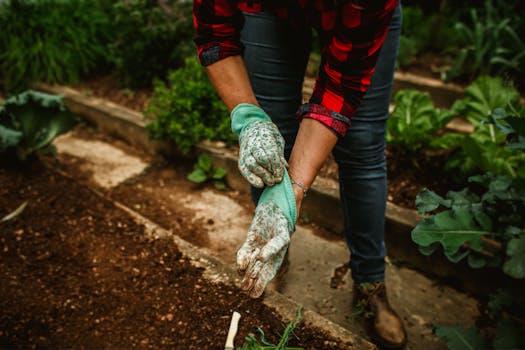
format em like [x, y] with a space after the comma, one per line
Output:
[385, 326]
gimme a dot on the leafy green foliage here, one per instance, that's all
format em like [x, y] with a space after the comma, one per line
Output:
[415, 121]
[505, 329]
[188, 110]
[498, 213]
[50, 40]
[459, 338]
[488, 45]
[414, 34]
[30, 121]
[515, 264]
[152, 37]
[484, 96]
[494, 146]
[204, 171]
[253, 344]
[452, 229]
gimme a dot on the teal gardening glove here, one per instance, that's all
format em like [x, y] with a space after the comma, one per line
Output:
[261, 156]
[268, 238]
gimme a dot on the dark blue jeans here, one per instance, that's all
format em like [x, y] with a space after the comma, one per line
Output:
[276, 56]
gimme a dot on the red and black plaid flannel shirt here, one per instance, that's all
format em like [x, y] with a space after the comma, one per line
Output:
[355, 30]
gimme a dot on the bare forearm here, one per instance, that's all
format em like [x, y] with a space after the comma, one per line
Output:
[231, 81]
[312, 146]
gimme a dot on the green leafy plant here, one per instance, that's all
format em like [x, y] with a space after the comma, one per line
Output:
[503, 310]
[30, 121]
[484, 96]
[253, 344]
[51, 40]
[188, 110]
[468, 218]
[489, 45]
[415, 122]
[151, 38]
[497, 145]
[414, 34]
[204, 171]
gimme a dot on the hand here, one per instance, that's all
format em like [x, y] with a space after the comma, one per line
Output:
[263, 252]
[261, 157]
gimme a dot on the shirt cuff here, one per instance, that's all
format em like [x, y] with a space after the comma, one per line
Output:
[215, 53]
[336, 122]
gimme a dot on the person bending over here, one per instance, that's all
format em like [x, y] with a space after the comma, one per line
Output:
[255, 53]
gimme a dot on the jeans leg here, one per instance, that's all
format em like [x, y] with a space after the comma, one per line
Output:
[275, 56]
[362, 168]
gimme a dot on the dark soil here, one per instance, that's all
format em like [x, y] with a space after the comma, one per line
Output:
[77, 272]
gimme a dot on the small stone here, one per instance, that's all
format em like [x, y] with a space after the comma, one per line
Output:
[169, 317]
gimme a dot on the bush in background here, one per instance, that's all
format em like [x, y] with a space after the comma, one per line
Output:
[488, 44]
[152, 37]
[51, 40]
[187, 109]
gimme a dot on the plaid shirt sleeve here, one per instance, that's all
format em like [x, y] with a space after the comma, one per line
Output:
[218, 25]
[348, 62]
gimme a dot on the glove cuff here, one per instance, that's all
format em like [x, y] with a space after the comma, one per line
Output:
[282, 195]
[244, 114]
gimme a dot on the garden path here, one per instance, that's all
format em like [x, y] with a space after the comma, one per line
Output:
[221, 219]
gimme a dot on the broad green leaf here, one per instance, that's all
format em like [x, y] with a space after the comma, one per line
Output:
[486, 94]
[460, 338]
[9, 137]
[457, 256]
[482, 219]
[509, 335]
[40, 117]
[449, 140]
[427, 251]
[197, 176]
[427, 200]
[219, 173]
[220, 185]
[461, 198]
[514, 266]
[452, 229]
[476, 262]
[204, 162]
[415, 120]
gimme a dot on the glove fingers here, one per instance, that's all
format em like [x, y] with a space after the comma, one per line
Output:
[253, 179]
[267, 273]
[257, 164]
[251, 275]
[247, 255]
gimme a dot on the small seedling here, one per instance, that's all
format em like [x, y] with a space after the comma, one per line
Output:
[253, 344]
[204, 171]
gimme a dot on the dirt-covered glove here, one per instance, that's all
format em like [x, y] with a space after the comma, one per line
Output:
[268, 238]
[261, 156]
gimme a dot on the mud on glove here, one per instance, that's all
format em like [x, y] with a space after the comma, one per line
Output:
[268, 238]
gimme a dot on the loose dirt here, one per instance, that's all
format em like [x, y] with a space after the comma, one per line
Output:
[317, 277]
[78, 272]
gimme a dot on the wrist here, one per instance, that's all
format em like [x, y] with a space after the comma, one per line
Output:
[299, 195]
[244, 114]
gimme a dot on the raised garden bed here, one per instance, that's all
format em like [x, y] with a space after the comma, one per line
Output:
[78, 271]
[406, 176]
